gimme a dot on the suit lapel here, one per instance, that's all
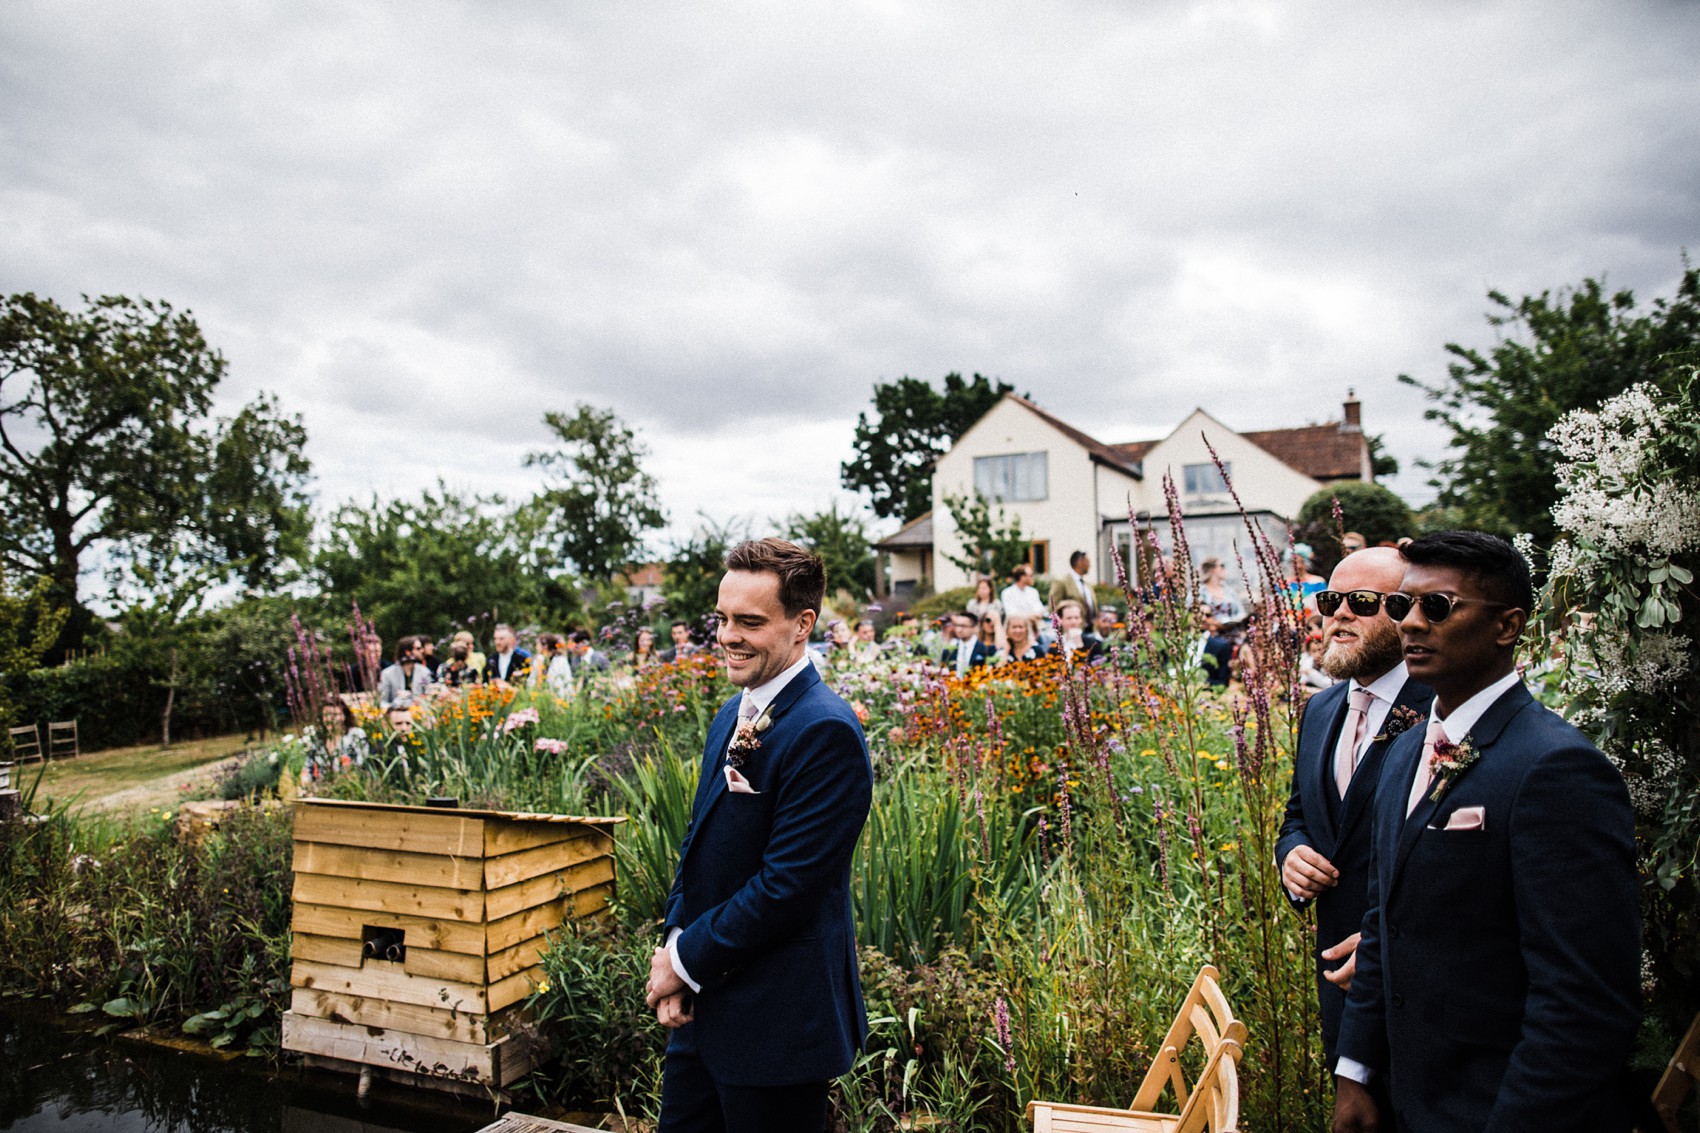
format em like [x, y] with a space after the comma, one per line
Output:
[714, 757]
[1418, 699]
[1319, 775]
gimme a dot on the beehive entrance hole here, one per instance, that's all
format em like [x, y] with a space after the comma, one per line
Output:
[379, 943]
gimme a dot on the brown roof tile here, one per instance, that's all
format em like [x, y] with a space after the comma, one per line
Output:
[1322, 452]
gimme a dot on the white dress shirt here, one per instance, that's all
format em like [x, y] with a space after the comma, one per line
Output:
[760, 697]
[1023, 602]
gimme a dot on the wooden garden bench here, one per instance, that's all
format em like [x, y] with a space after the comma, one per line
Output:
[1211, 1103]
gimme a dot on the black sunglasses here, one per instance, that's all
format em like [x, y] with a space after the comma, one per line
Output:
[1364, 603]
[1436, 606]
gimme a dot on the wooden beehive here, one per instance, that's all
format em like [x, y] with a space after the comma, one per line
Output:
[418, 932]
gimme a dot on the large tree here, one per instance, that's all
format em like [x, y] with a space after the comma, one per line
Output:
[597, 512]
[106, 441]
[841, 541]
[1555, 353]
[913, 425]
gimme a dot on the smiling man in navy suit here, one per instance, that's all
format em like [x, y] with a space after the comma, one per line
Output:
[1343, 737]
[758, 975]
[1497, 976]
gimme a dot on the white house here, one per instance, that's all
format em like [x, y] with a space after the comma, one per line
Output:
[1073, 492]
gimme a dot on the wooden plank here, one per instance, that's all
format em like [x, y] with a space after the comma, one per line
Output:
[465, 905]
[510, 899]
[525, 954]
[509, 931]
[433, 1058]
[506, 837]
[325, 949]
[441, 871]
[411, 1018]
[385, 979]
[422, 932]
[431, 964]
[413, 830]
[525, 1123]
[506, 992]
[510, 869]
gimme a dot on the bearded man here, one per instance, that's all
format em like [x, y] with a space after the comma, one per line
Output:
[1343, 736]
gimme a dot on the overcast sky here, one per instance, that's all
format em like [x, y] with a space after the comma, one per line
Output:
[424, 224]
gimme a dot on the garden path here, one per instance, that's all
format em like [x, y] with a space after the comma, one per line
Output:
[134, 779]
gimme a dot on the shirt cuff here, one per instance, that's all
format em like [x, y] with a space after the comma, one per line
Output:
[678, 964]
[1356, 1071]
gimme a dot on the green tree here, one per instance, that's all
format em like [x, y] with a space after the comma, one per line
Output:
[1372, 511]
[597, 515]
[841, 540]
[105, 440]
[427, 565]
[691, 575]
[1555, 354]
[913, 425]
[989, 546]
[29, 625]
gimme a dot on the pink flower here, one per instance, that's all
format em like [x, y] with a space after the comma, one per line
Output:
[519, 720]
[553, 747]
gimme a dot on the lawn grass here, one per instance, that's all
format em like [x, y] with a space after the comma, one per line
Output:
[91, 778]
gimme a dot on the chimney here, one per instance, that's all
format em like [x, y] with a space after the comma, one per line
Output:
[1353, 421]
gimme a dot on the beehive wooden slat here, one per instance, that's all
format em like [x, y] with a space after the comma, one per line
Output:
[509, 869]
[422, 932]
[388, 980]
[466, 905]
[511, 899]
[497, 1063]
[524, 925]
[509, 837]
[392, 1016]
[410, 830]
[456, 966]
[509, 961]
[342, 951]
[364, 863]
[505, 992]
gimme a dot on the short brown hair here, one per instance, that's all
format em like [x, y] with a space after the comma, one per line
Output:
[802, 576]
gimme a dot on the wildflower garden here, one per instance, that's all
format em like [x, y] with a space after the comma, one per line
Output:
[1054, 849]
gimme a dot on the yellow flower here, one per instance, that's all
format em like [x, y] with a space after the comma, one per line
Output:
[1221, 765]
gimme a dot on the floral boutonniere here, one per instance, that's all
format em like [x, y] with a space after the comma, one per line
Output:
[1448, 762]
[746, 740]
[1402, 719]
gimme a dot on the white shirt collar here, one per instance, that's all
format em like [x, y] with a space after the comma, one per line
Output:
[763, 695]
[1464, 717]
[1387, 685]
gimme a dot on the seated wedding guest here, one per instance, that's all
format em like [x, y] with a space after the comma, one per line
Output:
[1107, 625]
[406, 678]
[1075, 637]
[837, 645]
[1351, 541]
[474, 658]
[866, 646]
[509, 663]
[552, 664]
[965, 650]
[459, 670]
[1021, 600]
[586, 658]
[427, 652]
[682, 645]
[644, 653]
[1301, 584]
[1021, 640]
[984, 599]
[991, 631]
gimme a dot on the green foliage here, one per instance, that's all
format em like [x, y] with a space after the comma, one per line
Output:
[914, 424]
[105, 440]
[595, 516]
[1554, 354]
[1374, 512]
[426, 565]
[695, 566]
[29, 625]
[841, 540]
[989, 546]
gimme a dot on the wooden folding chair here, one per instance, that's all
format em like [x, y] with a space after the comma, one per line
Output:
[26, 744]
[1679, 1078]
[1211, 1103]
[62, 740]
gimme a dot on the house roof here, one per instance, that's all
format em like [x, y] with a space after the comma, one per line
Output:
[1099, 451]
[1323, 452]
[918, 532]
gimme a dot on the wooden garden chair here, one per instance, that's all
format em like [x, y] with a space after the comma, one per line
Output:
[1679, 1078]
[62, 740]
[1211, 1103]
[26, 744]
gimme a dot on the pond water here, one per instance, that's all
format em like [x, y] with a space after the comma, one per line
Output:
[62, 1080]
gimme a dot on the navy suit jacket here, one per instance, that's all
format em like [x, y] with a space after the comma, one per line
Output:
[519, 664]
[1497, 984]
[762, 895]
[1337, 828]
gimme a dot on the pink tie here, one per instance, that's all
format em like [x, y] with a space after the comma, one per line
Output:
[1425, 769]
[1351, 737]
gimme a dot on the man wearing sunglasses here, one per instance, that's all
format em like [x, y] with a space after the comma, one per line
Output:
[1343, 737]
[1497, 981]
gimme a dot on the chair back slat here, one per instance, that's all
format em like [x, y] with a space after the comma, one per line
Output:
[26, 743]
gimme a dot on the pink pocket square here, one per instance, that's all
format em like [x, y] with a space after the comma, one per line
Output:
[737, 784]
[1467, 818]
